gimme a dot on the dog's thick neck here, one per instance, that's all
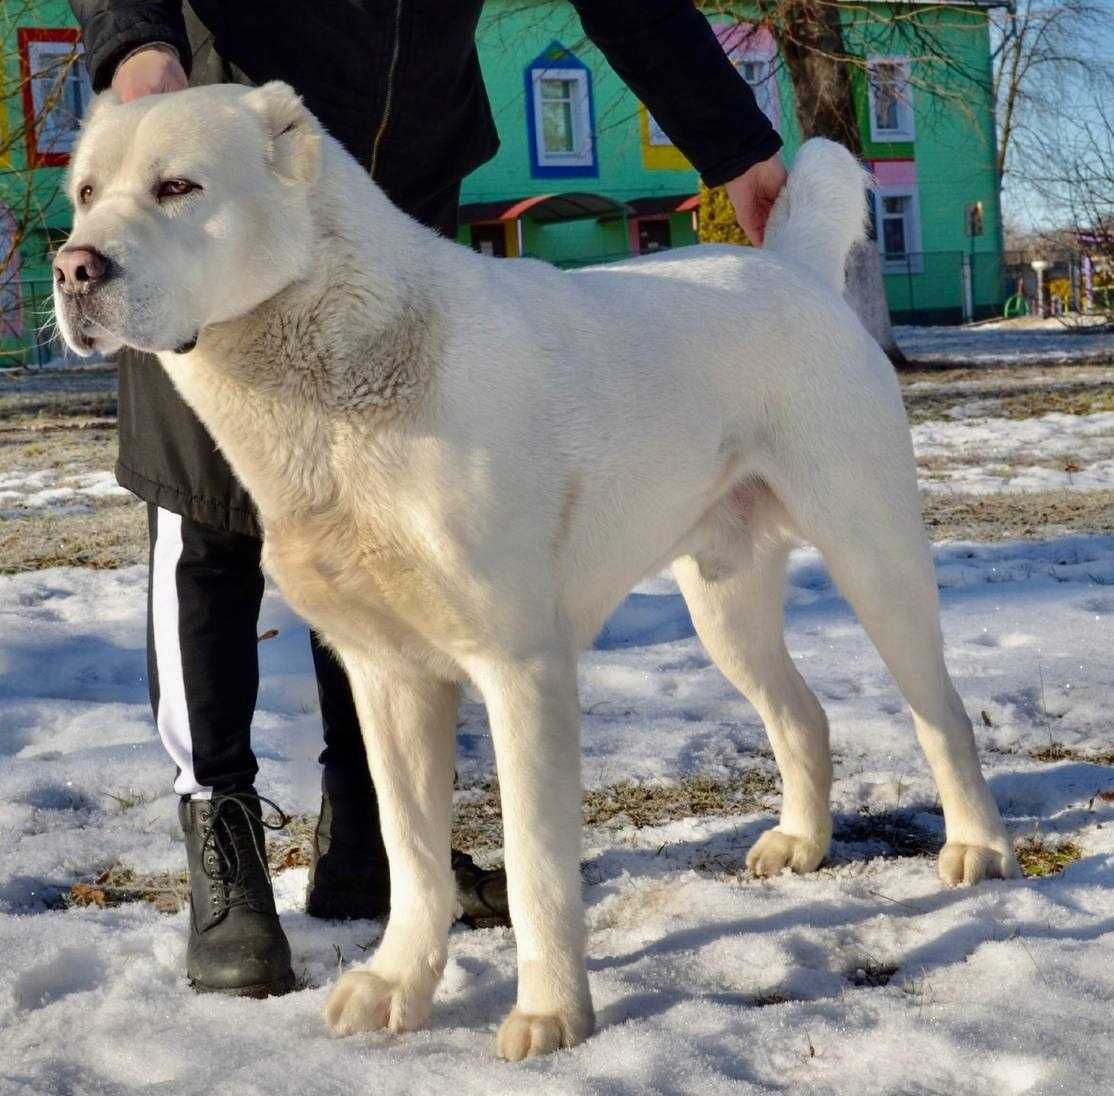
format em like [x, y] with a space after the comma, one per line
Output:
[351, 345]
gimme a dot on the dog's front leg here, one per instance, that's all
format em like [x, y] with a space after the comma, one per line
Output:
[535, 724]
[409, 727]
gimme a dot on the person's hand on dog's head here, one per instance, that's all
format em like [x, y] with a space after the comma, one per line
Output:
[151, 70]
[753, 195]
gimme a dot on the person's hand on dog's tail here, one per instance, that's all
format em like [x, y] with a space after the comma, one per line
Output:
[753, 195]
[150, 70]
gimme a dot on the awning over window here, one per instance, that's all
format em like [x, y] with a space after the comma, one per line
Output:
[672, 203]
[545, 208]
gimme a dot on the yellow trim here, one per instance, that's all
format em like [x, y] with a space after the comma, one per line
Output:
[510, 231]
[658, 157]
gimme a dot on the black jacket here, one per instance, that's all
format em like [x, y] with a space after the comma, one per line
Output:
[338, 54]
[407, 71]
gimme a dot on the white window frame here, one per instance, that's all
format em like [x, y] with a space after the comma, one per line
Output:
[915, 265]
[906, 129]
[584, 152]
[56, 130]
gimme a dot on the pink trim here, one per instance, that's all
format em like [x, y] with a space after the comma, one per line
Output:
[632, 234]
[747, 40]
[895, 172]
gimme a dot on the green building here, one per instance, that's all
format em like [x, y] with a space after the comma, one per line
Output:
[584, 173]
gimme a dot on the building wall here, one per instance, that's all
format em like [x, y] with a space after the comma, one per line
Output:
[953, 156]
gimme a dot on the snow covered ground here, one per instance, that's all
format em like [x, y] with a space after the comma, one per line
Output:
[977, 451]
[867, 977]
[71, 490]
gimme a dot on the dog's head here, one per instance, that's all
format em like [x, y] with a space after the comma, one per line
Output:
[190, 208]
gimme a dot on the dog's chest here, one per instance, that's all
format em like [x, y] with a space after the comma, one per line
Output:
[357, 581]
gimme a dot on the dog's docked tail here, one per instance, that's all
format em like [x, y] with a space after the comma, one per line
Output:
[821, 212]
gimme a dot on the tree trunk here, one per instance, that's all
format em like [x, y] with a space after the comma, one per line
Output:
[810, 38]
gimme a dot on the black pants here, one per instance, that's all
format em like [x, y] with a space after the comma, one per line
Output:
[202, 652]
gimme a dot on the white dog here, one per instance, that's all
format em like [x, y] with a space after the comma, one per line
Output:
[463, 464]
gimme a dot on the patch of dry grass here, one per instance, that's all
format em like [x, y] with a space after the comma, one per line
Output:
[1057, 751]
[1041, 857]
[1016, 515]
[112, 535]
[1013, 401]
[639, 805]
[477, 829]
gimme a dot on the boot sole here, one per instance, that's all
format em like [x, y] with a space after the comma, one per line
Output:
[263, 989]
[494, 922]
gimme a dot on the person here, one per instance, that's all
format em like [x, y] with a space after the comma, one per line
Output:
[398, 82]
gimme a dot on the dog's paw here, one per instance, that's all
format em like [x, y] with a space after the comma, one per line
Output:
[775, 851]
[363, 1001]
[532, 1034]
[967, 864]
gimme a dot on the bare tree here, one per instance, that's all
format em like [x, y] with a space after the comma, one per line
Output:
[1047, 52]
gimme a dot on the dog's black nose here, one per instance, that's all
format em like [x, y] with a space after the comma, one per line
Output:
[79, 269]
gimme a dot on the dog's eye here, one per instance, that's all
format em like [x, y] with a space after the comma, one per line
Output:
[175, 188]
[85, 194]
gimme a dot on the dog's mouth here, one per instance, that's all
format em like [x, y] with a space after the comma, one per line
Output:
[89, 334]
[89, 331]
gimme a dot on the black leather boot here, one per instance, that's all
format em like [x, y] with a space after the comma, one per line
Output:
[348, 873]
[349, 876]
[482, 893]
[236, 944]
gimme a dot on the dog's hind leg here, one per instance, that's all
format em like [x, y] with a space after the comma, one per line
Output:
[861, 508]
[738, 616]
[535, 724]
[409, 725]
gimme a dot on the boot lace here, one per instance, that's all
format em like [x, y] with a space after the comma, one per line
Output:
[226, 855]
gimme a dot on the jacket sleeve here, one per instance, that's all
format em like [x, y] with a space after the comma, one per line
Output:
[666, 52]
[111, 29]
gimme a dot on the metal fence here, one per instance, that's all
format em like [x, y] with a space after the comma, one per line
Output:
[943, 287]
[27, 324]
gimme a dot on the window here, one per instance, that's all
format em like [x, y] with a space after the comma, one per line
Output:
[559, 115]
[654, 235]
[563, 125]
[897, 230]
[759, 74]
[55, 92]
[891, 101]
[753, 51]
[658, 137]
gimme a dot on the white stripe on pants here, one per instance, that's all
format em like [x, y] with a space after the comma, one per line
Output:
[173, 717]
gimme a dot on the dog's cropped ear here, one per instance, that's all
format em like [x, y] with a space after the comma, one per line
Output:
[293, 135]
